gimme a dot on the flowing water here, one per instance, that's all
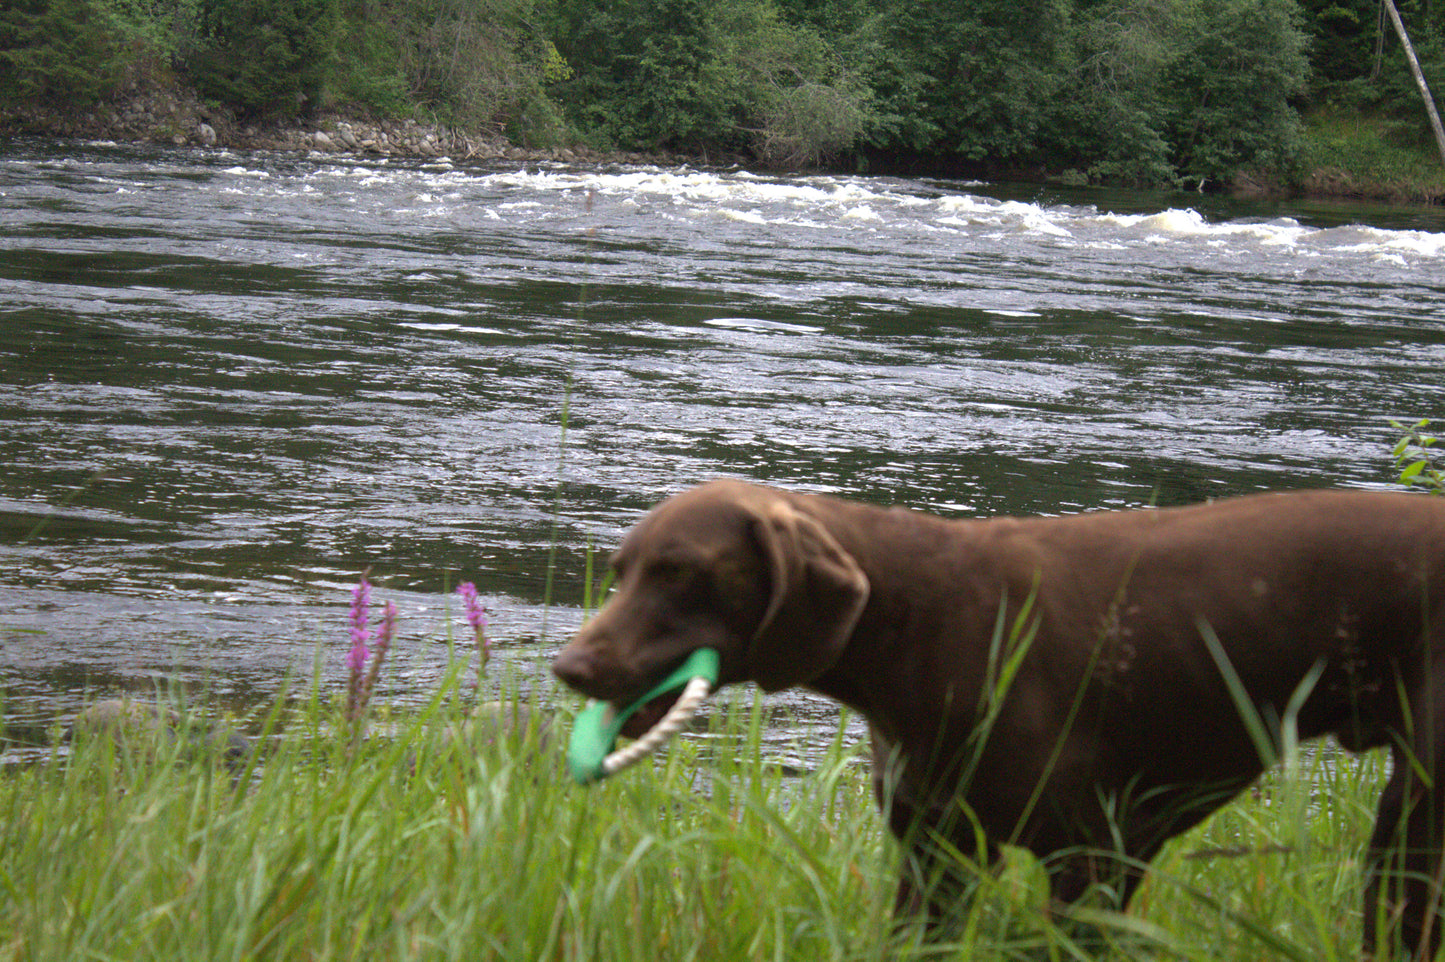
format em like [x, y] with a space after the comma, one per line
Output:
[231, 382]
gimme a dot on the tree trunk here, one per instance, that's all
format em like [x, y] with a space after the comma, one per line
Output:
[1419, 76]
[1378, 63]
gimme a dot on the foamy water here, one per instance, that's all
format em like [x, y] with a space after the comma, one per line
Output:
[882, 211]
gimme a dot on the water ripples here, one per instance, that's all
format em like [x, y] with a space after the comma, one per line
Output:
[232, 382]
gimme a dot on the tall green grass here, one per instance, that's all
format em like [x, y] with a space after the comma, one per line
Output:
[1351, 155]
[417, 848]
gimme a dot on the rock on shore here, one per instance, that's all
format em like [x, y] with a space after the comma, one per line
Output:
[150, 727]
[172, 115]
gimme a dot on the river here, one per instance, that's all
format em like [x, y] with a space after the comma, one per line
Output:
[230, 382]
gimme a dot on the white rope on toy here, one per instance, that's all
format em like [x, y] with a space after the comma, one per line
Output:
[658, 735]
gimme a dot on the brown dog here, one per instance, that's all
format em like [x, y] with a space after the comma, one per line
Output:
[1085, 687]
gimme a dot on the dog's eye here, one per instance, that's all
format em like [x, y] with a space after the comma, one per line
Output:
[671, 572]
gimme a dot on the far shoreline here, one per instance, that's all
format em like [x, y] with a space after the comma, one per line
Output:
[173, 116]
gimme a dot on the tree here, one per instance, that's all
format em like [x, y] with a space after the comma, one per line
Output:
[478, 61]
[642, 71]
[59, 52]
[266, 57]
[1117, 123]
[1418, 74]
[1169, 90]
[974, 78]
[797, 103]
[1343, 36]
[724, 74]
[1233, 85]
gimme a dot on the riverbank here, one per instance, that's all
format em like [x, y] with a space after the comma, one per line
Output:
[1346, 158]
[410, 846]
[175, 116]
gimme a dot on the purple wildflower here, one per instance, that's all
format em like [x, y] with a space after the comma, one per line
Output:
[363, 678]
[360, 627]
[477, 618]
[476, 614]
[387, 632]
[357, 691]
[383, 642]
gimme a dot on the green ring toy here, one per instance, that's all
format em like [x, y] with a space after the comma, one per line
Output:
[590, 755]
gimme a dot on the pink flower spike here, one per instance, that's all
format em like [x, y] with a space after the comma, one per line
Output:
[476, 614]
[388, 629]
[360, 627]
[477, 618]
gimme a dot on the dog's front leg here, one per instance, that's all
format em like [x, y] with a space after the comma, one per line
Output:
[1107, 878]
[937, 883]
[941, 865]
[1096, 877]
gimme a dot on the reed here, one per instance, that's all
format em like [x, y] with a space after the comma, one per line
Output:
[413, 846]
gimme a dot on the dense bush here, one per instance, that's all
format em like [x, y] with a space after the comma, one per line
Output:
[59, 52]
[643, 72]
[1135, 91]
[1195, 89]
[370, 61]
[793, 97]
[1391, 94]
[1244, 64]
[477, 63]
[265, 57]
[1127, 49]
[699, 75]
[979, 79]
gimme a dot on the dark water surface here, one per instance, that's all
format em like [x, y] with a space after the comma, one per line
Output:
[228, 383]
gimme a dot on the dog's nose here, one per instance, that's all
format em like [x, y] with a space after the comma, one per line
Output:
[575, 667]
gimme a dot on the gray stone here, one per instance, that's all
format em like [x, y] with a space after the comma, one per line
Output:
[148, 727]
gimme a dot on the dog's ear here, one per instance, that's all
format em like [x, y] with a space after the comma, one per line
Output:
[818, 593]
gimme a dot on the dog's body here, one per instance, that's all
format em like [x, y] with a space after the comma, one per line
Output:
[1071, 685]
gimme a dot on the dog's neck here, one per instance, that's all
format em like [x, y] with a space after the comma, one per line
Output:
[894, 646]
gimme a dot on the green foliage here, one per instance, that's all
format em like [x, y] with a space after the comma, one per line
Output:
[1146, 91]
[729, 75]
[1342, 37]
[808, 123]
[79, 52]
[1127, 49]
[786, 87]
[59, 52]
[166, 28]
[475, 63]
[472, 64]
[1196, 89]
[1363, 149]
[1137, 91]
[644, 72]
[267, 58]
[1392, 93]
[977, 79]
[369, 63]
[1416, 460]
[667, 73]
[1361, 66]
[1232, 90]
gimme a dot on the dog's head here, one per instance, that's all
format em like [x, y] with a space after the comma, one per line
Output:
[728, 565]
